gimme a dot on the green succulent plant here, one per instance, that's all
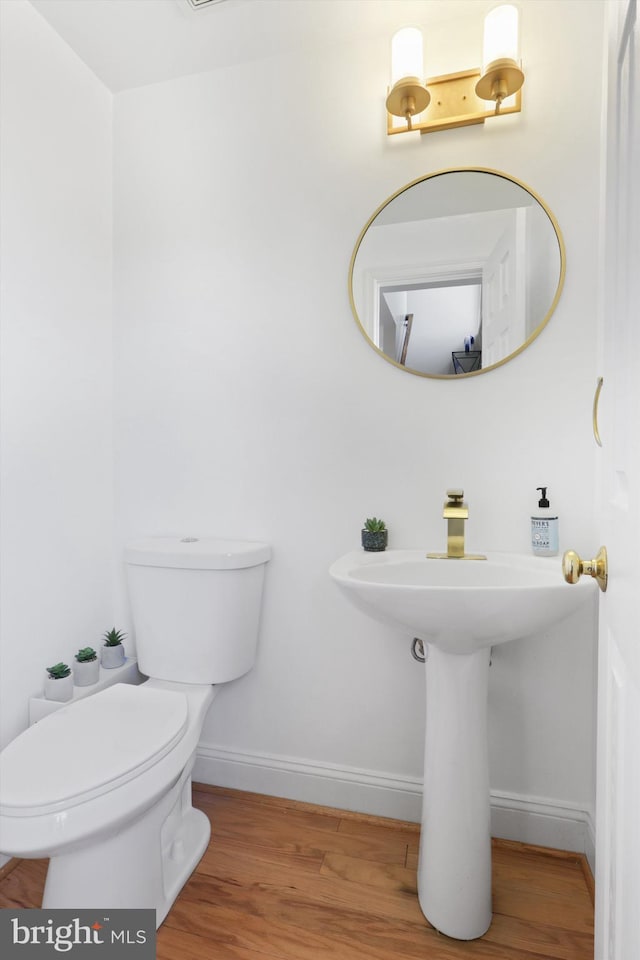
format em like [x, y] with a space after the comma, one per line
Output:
[373, 525]
[59, 671]
[86, 655]
[113, 637]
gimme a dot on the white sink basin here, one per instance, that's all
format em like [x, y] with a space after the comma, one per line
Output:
[460, 605]
[461, 608]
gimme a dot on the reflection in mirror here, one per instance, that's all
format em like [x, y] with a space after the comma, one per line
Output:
[456, 273]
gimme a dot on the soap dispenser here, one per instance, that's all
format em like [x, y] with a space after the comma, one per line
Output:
[544, 528]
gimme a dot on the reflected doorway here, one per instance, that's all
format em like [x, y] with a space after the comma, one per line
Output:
[433, 325]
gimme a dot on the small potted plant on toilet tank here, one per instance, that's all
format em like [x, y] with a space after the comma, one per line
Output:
[112, 653]
[58, 684]
[86, 669]
[374, 534]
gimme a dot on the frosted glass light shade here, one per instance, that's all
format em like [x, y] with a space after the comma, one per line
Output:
[500, 35]
[406, 54]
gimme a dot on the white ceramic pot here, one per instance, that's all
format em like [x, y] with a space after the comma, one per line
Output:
[60, 690]
[111, 657]
[86, 672]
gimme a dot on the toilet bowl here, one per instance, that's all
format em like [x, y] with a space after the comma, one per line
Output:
[92, 787]
[103, 786]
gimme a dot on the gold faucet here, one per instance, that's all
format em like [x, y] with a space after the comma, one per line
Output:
[455, 512]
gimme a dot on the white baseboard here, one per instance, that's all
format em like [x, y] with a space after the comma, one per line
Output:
[543, 822]
[535, 820]
[346, 788]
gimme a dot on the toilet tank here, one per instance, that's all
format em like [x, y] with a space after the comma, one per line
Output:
[196, 606]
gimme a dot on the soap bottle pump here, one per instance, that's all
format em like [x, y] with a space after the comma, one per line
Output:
[544, 528]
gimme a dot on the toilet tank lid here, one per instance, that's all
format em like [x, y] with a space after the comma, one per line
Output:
[197, 553]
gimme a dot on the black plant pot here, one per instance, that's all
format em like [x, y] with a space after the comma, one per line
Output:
[375, 540]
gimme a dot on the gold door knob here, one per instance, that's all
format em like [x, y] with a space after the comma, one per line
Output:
[573, 567]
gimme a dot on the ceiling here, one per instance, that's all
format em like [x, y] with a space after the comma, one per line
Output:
[131, 43]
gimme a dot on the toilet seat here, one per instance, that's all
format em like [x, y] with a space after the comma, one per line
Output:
[90, 748]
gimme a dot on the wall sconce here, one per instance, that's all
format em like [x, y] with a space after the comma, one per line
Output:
[457, 99]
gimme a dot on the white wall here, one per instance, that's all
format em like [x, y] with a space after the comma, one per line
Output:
[57, 490]
[248, 404]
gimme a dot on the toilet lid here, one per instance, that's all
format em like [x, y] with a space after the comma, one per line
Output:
[89, 747]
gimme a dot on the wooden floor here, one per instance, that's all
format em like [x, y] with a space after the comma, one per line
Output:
[282, 880]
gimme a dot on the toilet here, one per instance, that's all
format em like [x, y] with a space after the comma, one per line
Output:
[103, 785]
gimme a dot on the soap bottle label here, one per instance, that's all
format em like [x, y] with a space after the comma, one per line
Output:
[544, 536]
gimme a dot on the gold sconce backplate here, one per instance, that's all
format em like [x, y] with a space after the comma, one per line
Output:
[454, 103]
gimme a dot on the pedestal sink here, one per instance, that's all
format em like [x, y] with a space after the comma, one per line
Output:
[461, 609]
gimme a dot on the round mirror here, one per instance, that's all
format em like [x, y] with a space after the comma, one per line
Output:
[456, 273]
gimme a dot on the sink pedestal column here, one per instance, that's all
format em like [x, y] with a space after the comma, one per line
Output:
[454, 869]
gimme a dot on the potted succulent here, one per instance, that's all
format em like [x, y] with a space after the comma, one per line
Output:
[112, 653]
[86, 669]
[58, 684]
[374, 534]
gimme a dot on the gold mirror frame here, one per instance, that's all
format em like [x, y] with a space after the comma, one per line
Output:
[536, 331]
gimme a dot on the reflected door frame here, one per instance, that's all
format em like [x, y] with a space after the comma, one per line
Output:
[380, 277]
